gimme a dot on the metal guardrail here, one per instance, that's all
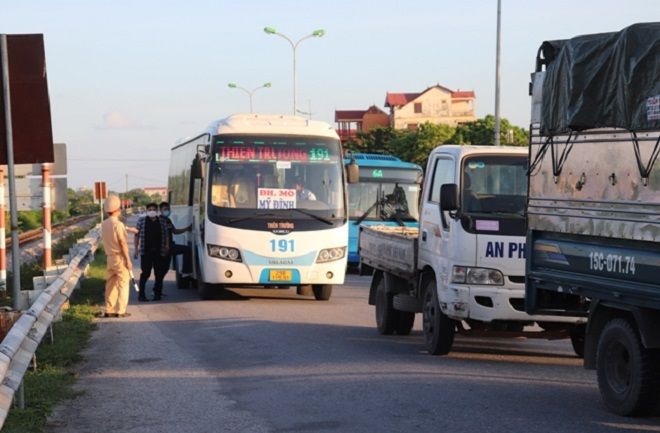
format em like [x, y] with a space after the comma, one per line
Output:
[20, 344]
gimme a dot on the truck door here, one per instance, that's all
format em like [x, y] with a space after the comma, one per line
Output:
[432, 233]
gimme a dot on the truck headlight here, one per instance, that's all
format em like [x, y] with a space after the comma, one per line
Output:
[477, 276]
[331, 254]
[224, 253]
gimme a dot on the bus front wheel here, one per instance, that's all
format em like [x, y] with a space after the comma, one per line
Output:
[205, 291]
[322, 292]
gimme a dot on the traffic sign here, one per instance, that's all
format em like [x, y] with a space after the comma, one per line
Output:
[100, 192]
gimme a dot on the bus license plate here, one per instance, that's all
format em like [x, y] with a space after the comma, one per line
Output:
[280, 275]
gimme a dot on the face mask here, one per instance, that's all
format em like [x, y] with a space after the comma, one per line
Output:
[165, 213]
[152, 214]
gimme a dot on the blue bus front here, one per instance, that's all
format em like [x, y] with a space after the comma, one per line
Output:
[387, 194]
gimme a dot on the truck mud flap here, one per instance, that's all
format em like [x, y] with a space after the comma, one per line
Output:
[407, 303]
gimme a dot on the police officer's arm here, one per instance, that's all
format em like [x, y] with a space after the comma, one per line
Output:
[123, 245]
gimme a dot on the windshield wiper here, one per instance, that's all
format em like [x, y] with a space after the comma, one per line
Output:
[382, 216]
[250, 217]
[366, 213]
[325, 220]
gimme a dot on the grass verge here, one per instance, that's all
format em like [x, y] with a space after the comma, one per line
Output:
[54, 377]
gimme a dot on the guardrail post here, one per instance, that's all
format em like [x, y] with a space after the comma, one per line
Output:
[45, 175]
[3, 246]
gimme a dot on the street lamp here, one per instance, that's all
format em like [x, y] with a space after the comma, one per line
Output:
[315, 34]
[249, 92]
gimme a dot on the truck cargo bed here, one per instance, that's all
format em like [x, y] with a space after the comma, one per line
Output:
[390, 249]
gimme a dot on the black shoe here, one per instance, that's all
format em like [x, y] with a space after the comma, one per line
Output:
[123, 315]
[157, 297]
[143, 299]
[106, 315]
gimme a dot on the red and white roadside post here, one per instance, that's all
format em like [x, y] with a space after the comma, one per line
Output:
[45, 176]
[3, 246]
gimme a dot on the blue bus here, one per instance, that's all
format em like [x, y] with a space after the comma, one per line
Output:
[387, 194]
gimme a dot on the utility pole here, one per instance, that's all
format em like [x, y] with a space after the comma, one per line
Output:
[11, 177]
[497, 75]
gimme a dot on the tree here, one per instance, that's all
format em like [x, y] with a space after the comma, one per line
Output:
[138, 196]
[482, 131]
[408, 144]
[416, 145]
[81, 202]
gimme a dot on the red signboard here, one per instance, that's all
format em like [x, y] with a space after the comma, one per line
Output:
[30, 105]
[100, 193]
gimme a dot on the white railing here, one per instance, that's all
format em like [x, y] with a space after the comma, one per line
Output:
[20, 344]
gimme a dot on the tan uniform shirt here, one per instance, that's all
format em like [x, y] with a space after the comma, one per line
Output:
[112, 232]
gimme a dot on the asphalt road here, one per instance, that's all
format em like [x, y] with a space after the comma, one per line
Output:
[256, 360]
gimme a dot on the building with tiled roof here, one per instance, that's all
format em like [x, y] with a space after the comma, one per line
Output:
[436, 104]
[350, 122]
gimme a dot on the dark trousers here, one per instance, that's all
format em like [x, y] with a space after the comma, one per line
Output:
[148, 261]
[175, 250]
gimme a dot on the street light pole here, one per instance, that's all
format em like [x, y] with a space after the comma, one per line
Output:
[294, 46]
[249, 92]
[497, 75]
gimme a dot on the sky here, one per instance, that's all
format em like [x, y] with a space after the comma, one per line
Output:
[127, 79]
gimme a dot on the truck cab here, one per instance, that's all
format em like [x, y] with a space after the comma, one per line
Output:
[475, 244]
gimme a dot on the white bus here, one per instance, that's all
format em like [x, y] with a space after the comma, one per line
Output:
[266, 197]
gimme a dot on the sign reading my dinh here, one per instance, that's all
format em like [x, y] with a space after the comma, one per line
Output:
[30, 105]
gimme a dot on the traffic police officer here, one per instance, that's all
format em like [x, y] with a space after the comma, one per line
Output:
[119, 264]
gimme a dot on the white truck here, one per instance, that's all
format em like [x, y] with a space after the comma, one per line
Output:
[464, 268]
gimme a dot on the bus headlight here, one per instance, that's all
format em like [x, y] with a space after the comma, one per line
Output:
[225, 253]
[477, 276]
[331, 254]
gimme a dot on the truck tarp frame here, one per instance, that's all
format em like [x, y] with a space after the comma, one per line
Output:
[606, 80]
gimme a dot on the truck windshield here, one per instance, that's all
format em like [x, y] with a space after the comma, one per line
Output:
[494, 184]
[277, 173]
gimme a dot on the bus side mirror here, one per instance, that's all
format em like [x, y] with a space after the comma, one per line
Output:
[353, 172]
[196, 168]
[449, 197]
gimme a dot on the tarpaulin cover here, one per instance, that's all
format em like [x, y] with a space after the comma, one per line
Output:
[603, 80]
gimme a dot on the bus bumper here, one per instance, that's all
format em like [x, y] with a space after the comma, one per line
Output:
[234, 273]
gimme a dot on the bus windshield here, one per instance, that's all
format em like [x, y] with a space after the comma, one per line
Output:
[383, 201]
[494, 184]
[277, 173]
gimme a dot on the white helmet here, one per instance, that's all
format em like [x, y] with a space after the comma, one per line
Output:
[111, 204]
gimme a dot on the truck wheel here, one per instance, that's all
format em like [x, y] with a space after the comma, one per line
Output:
[625, 369]
[577, 339]
[386, 317]
[404, 322]
[322, 292]
[438, 328]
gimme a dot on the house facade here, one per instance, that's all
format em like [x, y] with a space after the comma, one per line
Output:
[156, 190]
[350, 122]
[436, 104]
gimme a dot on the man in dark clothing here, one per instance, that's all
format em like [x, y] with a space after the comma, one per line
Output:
[152, 244]
[175, 249]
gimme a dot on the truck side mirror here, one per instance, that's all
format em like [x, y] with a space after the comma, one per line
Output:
[449, 197]
[196, 168]
[353, 172]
